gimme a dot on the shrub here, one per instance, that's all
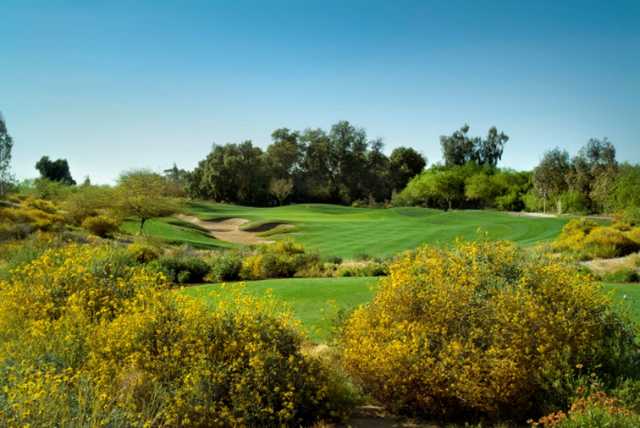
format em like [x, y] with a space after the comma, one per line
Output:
[279, 260]
[226, 267]
[589, 240]
[607, 242]
[182, 267]
[82, 347]
[30, 217]
[101, 225]
[484, 328]
[597, 409]
[372, 268]
[143, 252]
[634, 235]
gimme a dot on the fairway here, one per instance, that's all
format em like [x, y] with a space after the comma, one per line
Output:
[348, 232]
[314, 301]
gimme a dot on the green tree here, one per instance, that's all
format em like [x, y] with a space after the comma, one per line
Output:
[284, 154]
[404, 164]
[57, 170]
[6, 145]
[489, 150]
[458, 148]
[281, 188]
[550, 176]
[143, 194]
[232, 173]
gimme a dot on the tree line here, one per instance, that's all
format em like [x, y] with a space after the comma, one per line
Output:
[340, 165]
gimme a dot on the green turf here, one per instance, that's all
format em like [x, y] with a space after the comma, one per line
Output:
[628, 295]
[314, 301]
[349, 232]
[174, 231]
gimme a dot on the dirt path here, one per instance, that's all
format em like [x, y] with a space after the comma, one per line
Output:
[227, 230]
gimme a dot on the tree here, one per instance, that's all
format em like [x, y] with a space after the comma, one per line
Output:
[176, 180]
[143, 194]
[459, 148]
[404, 164]
[281, 188]
[6, 145]
[593, 171]
[57, 170]
[550, 176]
[284, 154]
[232, 173]
[489, 150]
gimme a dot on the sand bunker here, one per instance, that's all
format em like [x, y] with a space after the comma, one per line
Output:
[227, 230]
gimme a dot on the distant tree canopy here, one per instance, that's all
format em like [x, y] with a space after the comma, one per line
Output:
[459, 148]
[337, 166]
[57, 170]
[584, 183]
[6, 145]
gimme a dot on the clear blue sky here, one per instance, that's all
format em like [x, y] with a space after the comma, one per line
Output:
[114, 85]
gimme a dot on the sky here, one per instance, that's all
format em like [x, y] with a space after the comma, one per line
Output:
[117, 85]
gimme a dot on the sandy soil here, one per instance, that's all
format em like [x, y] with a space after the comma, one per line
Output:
[601, 266]
[227, 230]
[527, 214]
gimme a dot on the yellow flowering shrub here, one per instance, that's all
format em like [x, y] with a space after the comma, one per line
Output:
[483, 328]
[588, 240]
[282, 259]
[634, 235]
[101, 225]
[88, 338]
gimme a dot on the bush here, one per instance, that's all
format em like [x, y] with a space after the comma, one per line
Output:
[634, 235]
[182, 267]
[574, 202]
[82, 347]
[282, 259]
[143, 253]
[226, 267]
[484, 328]
[608, 242]
[371, 268]
[101, 225]
[597, 409]
[588, 240]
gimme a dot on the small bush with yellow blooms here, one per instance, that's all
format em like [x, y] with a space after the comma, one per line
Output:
[484, 328]
[588, 240]
[101, 225]
[88, 340]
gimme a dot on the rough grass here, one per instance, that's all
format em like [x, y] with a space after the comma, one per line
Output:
[627, 295]
[335, 230]
[314, 301]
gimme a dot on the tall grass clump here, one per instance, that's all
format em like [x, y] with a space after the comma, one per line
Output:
[485, 329]
[90, 338]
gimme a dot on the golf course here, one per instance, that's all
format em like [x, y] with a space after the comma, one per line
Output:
[347, 232]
